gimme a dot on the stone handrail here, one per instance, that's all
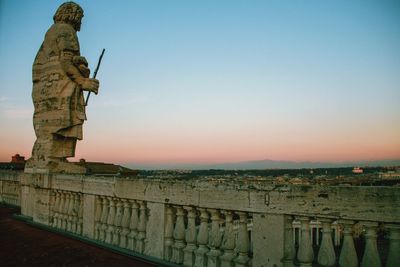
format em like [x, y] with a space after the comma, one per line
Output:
[214, 223]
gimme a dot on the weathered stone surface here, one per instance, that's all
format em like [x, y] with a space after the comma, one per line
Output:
[89, 209]
[156, 211]
[60, 75]
[41, 206]
[154, 238]
[268, 243]
[27, 200]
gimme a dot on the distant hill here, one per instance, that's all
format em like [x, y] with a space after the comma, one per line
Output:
[265, 164]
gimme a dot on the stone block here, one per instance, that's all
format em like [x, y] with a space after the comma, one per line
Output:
[268, 240]
[41, 206]
[68, 182]
[89, 211]
[155, 230]
[27, 200]
[103, 186]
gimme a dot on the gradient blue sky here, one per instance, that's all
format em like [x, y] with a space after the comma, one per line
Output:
[219, 81]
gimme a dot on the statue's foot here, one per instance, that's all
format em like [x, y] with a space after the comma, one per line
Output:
[54, 166]
[66, 167]
[33, 165]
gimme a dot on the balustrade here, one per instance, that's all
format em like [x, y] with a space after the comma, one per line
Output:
[10, 193]
[345, 245]
[121, 222]
[66, 211]
[208, 236]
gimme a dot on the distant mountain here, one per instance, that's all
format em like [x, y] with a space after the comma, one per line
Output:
[264, 164]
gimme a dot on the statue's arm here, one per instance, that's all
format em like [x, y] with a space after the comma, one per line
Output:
[72, 63]
[76, 75]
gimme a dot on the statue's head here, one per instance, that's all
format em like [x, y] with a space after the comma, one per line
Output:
[71, 13]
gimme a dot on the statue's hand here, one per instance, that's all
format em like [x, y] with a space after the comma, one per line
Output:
[91, 85]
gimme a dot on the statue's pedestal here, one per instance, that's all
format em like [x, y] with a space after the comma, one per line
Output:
[35, 196]
[55, 167]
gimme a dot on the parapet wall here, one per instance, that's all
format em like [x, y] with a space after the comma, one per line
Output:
[211, 222]
[355, 202]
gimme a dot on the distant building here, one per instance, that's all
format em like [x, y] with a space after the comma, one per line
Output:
[17, 163]
[17, 158]
[357, 170]
[106, 169]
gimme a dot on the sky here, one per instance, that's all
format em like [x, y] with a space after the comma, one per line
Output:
[219, 81]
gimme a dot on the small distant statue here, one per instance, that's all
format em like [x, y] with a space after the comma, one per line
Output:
[60, 75]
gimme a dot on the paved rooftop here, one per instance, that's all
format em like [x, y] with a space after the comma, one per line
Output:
[24, 245]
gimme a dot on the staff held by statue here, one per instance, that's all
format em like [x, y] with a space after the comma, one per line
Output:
[95, 73]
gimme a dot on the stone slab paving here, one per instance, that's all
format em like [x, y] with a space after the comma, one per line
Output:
[24, 245]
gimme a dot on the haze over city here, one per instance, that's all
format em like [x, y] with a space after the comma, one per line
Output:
[219, 81]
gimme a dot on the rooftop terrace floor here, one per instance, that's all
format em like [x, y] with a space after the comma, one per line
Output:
[24, 245]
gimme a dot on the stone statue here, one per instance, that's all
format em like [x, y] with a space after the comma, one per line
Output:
[60, 75]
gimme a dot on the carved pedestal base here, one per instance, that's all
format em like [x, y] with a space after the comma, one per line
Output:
[54, 167]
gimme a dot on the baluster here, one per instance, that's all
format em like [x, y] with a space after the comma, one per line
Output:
[228, 242]
[348, 255]
[56, 209]
[117, 223]
[243, 242]
[110, 221]
[69, 212]
[75, 213]
[393, 259]
[97, 219]
[61, 210]
[371, 256]
[133, 226]
[179, 236]
[65, 211]
[168, 233]
[202, 240]
[190, 237]
[305, 254]
[125, 225]
[141, 228]
[326, 253]
[52, 206]
[79, 227]
[215, 239]
[104, 217]
[289, 250]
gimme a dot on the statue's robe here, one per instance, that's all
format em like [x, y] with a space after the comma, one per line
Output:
[58, 99]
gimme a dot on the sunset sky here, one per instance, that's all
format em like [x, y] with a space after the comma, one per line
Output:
[219, 81]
